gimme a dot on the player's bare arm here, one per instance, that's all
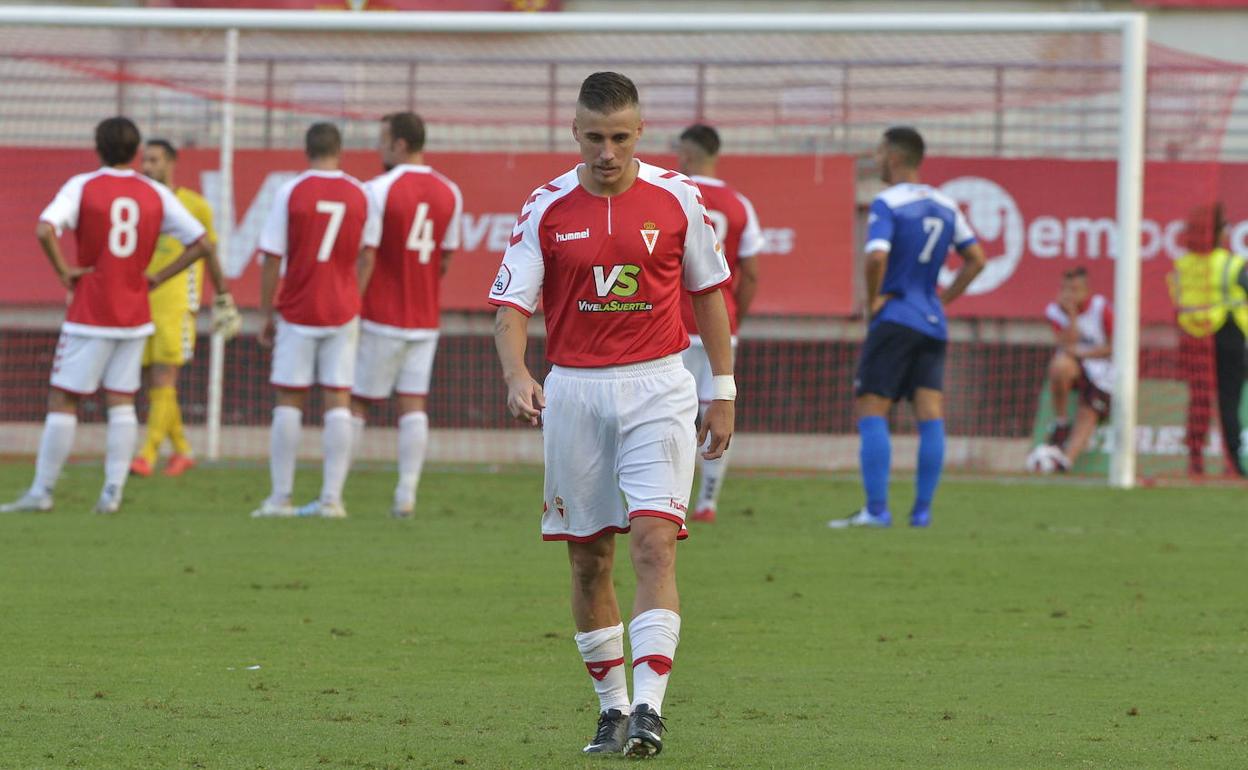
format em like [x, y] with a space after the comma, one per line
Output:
[873, 271]
[973, 261]
[188, 257]
[446, 260]
[712, 318]
[67, 274]
[747, 286]
[364, 267]
[525, 398]
[268, 288]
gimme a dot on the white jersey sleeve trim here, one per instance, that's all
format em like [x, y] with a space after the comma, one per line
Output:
[1054, 313]
[752, 241]
[519, 280]
[705, 266]
[62, 212]
[177, 222]
[273, 234]
[451, 239]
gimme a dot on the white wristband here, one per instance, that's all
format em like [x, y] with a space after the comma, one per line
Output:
[724, 387]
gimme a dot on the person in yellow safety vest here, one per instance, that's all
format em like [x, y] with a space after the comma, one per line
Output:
[1209, 287]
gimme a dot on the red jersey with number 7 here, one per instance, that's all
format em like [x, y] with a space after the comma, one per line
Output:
[117, 216]
[420, 211]
[319, 222]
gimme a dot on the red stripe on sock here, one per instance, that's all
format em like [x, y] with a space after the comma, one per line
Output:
[599, 669]
[660, 663]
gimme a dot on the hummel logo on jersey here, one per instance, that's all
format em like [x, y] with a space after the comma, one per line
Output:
[650, 234]
[576, 236]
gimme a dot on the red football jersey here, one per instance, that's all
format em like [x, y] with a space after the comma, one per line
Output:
[319, 222]
[736, 227]
[610, 270]
[116, 215]
[420, 212]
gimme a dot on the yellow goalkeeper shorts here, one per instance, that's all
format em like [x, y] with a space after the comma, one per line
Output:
[173, 343]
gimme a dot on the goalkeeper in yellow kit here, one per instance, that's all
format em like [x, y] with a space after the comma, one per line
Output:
[174, 304]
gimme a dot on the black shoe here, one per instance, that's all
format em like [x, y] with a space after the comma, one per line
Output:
[612, 730]
[1058, 433]
[645, 733]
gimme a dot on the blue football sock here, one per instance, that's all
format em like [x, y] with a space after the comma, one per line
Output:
[875, 454]
[931, 461]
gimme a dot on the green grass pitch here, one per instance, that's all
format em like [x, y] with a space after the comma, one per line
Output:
[1034, 626]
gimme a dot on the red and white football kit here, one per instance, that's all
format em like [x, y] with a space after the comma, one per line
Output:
[117, 216]
[420, 213]
[620, 407]
[319, 222]
[736, 227]
[1095, 324]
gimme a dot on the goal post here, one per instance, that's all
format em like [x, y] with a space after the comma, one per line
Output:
[1127, 30]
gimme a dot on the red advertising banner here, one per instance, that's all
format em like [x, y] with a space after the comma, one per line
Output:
[1038, 218]
[805, 205]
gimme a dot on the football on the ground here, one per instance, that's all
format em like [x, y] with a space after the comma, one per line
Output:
[1046, 459]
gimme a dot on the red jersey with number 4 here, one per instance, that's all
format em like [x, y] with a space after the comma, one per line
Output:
[117, 216]
[420, 212]
[319, 222]
[611, 270]
[736, 227]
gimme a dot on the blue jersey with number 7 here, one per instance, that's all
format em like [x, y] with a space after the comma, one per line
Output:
[916, 225]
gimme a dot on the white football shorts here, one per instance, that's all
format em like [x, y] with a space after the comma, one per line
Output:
[696, 361]
[304, 356]
[387, 364]
[619, 443]
[84, 363]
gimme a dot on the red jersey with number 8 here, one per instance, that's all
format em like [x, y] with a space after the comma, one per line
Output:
[420, 212]
[319, 222]
[117, 216]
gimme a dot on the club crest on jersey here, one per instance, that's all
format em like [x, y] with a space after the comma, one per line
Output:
[650, 234]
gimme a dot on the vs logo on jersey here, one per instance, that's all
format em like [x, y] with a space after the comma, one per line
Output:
[650, 234]
[620, 280]
[616, 288]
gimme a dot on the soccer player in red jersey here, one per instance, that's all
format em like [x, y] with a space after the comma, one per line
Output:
[609, 248]
[737, 230]
[322, 231]
[116, 215]
[420, 212]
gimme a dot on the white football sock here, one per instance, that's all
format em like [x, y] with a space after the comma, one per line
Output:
[413, 441]
[603, 653]
[653, 635]
[712, 472]
[54, 446]
[357, 434]
[123, 432]
[283, 447]
[336, 443]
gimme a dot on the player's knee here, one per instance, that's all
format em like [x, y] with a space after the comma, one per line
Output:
[60, 401]
[653, 550]
[1063, 367]
[591, 565]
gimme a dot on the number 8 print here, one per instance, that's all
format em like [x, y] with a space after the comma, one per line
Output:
[123, 232]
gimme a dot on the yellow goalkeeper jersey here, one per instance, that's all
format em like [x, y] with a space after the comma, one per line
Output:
[180, 294]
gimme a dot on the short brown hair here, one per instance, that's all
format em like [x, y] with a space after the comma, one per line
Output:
[607, 92]
[406, 126]
[117, 140]
[323, 140]
[1075, 272]
[704, 137]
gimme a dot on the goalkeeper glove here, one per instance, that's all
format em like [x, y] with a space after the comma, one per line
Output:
[226, 320]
